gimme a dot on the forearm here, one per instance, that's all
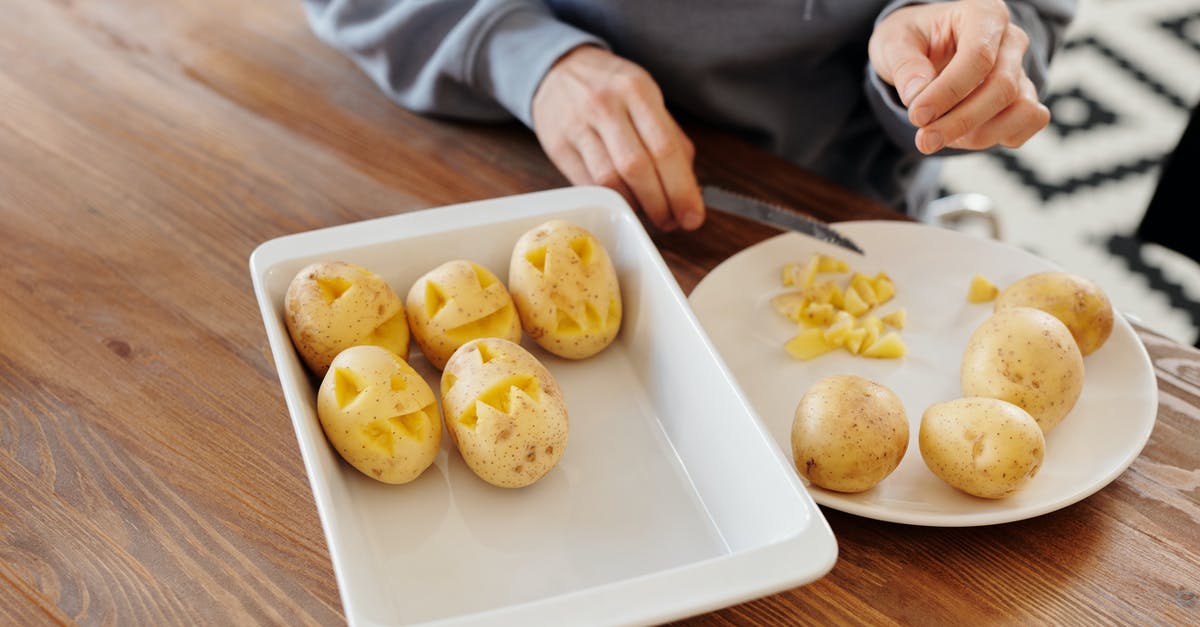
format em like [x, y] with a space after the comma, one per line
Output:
[479, 59]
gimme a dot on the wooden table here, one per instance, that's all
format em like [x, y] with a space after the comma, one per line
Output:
[149, 473]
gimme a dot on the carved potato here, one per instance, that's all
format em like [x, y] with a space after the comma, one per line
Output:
[565, 289]
[456, 302]
[379, 414]
[333, 305]
[504, 412]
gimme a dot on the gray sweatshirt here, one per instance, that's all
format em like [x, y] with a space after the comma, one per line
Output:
[792, 76]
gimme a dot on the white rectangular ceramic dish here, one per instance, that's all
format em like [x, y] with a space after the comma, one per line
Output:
[671, 499]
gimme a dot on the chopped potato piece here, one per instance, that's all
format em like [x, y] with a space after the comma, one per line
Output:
[854, 303]
[884, 288]
[896, 319]
[981, 290]
[788, 274]
[825, 263]
[790, 304]
[838, 313]
[817, 314]
[865, 288]
[888, 346]
[808, 343]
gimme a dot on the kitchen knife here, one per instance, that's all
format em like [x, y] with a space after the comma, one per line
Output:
[760, 211]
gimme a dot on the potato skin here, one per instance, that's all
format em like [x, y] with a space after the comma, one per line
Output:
[1075, 300]
[848, 433]
[379, 414]
[1027, 357]
[504, 411]
[456, 302]
[333, 305]
[565, 289]
[985, 447]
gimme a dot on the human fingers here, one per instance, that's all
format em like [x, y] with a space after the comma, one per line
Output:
[976, 30]
[601, 169]
[1013, 126]
[998, 91]
[672, 154]
[899, 54]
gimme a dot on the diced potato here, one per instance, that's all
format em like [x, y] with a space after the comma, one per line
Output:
[817, 314]
[981, 290]
[808, 343]
[790, 304]
[885, 289]
[842, 324]
[865, 287]
[896, 319]
[788, 274]
[825, 292]
[808, 277]
[854, 339]
[854, 304]
[888, 346]
[827, 263]
[837, 313]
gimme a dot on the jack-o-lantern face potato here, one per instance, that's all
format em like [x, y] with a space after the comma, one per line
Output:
[379, 414]
[333, 305]
[504, 412]
[456, 302]
[565, 289]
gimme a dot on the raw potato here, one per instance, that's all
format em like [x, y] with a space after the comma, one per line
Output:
[504, 412]
[1027, 357]
[1075, 300]
[565, 289]
[985, 447]
[333, 305]
[849, 433]
[456, 302]
[379, 414]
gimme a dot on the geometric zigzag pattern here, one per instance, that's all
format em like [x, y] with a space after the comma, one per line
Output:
[1120, 92]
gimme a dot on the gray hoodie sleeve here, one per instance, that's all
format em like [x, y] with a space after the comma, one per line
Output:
[476, 59]
[1043, 20]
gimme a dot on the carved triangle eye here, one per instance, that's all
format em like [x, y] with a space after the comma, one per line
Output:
[614, 313]
[347, 386]
[567, 324]
[537, 258]
[485, 353]
[484, 277]
[434, 299]
[593, 315]
[582, 247]
[412, 424]
[500, 397]
[332, 288]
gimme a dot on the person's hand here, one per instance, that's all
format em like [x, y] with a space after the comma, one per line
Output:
[602, 121]
[957, 67]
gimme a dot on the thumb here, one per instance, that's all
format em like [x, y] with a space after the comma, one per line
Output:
[901, 60]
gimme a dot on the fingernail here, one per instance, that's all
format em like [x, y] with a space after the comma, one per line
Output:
[911, 90]
[692, 220]
[933, 142]
[922, 116]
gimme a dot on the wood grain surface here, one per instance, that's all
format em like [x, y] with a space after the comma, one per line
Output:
[149, 474]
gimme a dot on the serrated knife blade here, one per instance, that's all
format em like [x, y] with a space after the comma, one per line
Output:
[760, 211]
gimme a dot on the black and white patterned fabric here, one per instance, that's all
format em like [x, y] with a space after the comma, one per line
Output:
[1120, 94]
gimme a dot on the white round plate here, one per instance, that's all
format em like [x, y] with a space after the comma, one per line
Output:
[932, 268]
